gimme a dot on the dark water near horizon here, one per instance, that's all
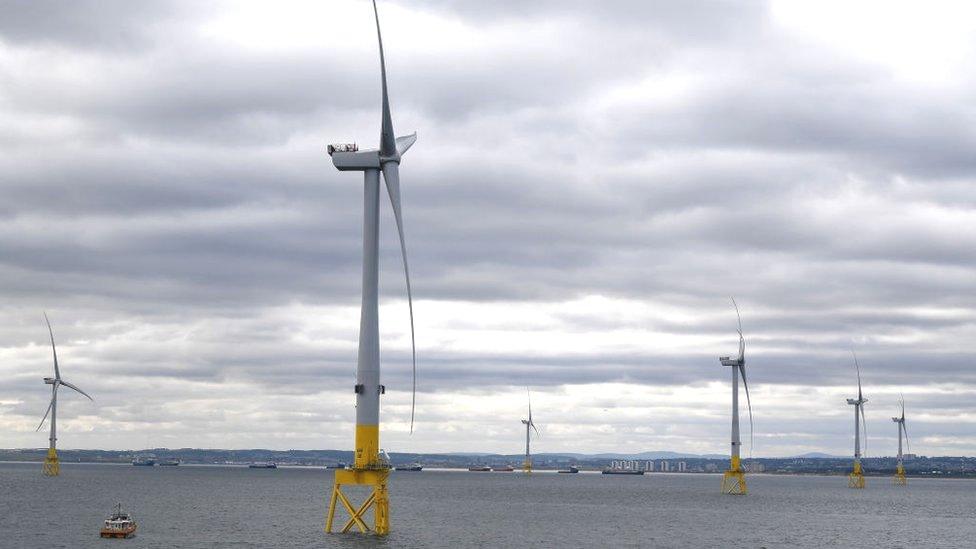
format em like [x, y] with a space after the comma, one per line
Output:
[211, 507]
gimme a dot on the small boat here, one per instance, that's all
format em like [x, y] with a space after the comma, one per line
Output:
[339, 465]
[144, 461]
[479, 469]
[411, 467]
[119, 525]
[571, 469]
[503, 469]
[169, 462]
[265, 465]
[622, 472]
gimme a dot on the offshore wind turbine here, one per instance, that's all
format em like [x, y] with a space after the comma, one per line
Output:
[369, 467]
[734, 480]
[900, 479]
[52, 466]
[527, 466]
[856, 478]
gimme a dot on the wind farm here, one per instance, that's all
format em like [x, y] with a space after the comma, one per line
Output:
[597, 182]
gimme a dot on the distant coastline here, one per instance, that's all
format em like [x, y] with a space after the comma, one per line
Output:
[817, 464]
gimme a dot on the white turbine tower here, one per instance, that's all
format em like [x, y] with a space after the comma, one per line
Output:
[734, 480]
[52, 466]
[900, 479]
[856, 478]
[369, 468]
[527, 466]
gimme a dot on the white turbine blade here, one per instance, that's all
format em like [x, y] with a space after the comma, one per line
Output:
[66, 384]
[864, 430]
[905, 429]
[742, 342]
[57, 373]
[391, 174]
[43, 419]
[404, 142]
[531, 423]
[387, 140]
[858, 368]
[742, 370]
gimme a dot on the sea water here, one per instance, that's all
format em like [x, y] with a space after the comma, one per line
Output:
[224, 506]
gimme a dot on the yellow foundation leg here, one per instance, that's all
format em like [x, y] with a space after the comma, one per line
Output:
[899, 478]
[527, 466]
[734, 480]
[378, 500]
[51, 467]
[856, 478]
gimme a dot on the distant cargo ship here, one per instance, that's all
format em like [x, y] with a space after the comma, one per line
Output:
[265, 465]
[503, 469]
[169, 462]
[144, 461]
[479, 468]
[411, 467]
[622, 472]
[570, 470]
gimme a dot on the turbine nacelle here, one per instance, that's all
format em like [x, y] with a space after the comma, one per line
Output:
[355, 160]
[50, 381]
[347, 156]
[898, 419]
[729, 361]
[856, 401]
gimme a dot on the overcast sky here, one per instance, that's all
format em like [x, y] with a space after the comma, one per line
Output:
[591, 182]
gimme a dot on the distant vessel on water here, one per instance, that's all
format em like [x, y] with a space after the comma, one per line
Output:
[265, 465]
[169, 462]
[411, 467]
[339, 465]
[144, 461]
[118, 525]
[571, 469]
[503, 469]
[622, 472]
[479, 468]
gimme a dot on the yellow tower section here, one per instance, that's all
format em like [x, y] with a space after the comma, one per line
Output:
[899, 478]
[527, 465]
[51, 467]
[856, 478]
[734, 480]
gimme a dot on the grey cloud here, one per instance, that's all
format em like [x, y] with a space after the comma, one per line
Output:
[189, 195]
[116, 25]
